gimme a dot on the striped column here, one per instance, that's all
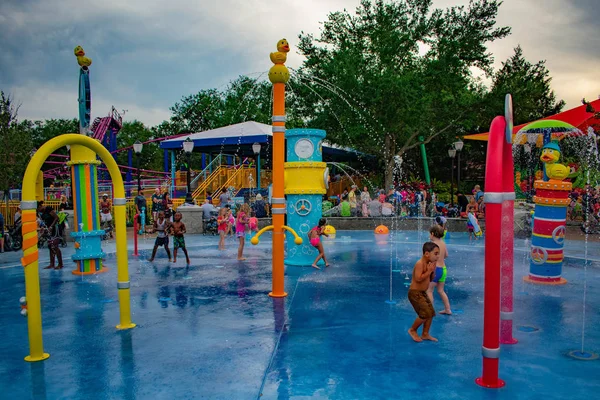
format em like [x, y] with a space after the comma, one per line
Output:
[87, 232]
[547, 242]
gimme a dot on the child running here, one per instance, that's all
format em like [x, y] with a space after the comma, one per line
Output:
[314, 235]
[161, 225]
[439, 278]
[178, 229]
[417, 292]
[241, 223]
[222, 226]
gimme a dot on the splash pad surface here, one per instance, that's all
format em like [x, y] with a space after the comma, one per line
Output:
[211, 331]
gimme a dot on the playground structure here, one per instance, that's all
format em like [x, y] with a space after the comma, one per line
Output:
[86, 146]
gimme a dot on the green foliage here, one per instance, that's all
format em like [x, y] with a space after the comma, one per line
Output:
[375, 89]
[16, 145]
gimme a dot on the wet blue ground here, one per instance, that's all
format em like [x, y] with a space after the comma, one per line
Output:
[211, 331]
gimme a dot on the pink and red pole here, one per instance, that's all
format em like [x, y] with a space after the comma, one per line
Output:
[494, 198]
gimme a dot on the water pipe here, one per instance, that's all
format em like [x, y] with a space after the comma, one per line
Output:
[425, 164]
[494, 197]
[297, 239]
[30, 260]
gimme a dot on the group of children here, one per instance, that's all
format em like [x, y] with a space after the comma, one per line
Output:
[244, 223]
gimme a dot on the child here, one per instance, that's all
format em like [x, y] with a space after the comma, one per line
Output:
[253, 222]
[222, 223]
[439, 279]
[178, 229]
[230, 220]
[315, 240]
[417, 292]
[240, 228]
[472, 225]
[161, 225]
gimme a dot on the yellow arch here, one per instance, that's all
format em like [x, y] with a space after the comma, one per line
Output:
[80, 143]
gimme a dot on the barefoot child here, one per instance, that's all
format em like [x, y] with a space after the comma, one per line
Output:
[161, 225]
[417, 292]
[241, 223]
[439, 278]
[314, 235]
[178, 229]
[222, 226]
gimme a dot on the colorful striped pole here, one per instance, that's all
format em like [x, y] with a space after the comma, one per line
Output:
[87, 232]
[547, 242]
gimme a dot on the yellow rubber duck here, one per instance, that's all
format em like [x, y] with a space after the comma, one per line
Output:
[280, 56]
[550, 155]
[81, 59]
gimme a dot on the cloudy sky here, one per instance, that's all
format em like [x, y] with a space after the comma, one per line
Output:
[147, 54]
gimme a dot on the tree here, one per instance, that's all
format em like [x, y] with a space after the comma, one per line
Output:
[529, 85]
[16, 146]
[397, 71]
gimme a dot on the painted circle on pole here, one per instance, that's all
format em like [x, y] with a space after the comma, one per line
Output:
[538, 255]
[558, 234]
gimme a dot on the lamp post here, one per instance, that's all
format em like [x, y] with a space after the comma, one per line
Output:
[458, 146]
[137, 148]
[256, 150]
[188, 147]
[452, 154]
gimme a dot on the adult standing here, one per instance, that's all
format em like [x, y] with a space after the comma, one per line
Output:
[477, 192]
[365, 198]
[157, 201]
[224, 198]
[50, 219]
[260, 209]
[352, 201]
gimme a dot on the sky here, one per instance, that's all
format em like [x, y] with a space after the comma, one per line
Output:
[148, 54]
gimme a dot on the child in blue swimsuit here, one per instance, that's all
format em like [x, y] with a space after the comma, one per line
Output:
[439, 279]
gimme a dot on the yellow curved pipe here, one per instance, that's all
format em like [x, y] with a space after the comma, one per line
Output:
[30, 264]
[254, 239]
[298, 239]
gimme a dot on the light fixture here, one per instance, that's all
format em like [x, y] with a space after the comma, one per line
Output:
[256, 148]
[188, 145]
[458, 145]
[137, 146]
[452, 153]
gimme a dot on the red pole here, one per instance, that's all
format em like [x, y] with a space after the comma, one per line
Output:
[135, 235]
[508, 233]
[493, 220]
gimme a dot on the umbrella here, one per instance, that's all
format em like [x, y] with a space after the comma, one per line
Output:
[550, 128]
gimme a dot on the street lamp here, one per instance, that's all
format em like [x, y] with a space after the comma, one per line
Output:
[137, 148]
[452, 154]
[256, 149]
[458, 146]
[188, 147]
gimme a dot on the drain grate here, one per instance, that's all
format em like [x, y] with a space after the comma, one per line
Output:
[583, 355]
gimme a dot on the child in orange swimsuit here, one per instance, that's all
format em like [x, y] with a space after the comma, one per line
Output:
[314, 236]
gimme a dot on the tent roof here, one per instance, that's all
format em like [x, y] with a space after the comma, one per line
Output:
[578, 117]
[240, 137]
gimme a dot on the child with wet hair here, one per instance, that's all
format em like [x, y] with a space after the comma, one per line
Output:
[314, 236]
[436, 233]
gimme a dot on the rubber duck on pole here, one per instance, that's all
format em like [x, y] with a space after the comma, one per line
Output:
[278, 75]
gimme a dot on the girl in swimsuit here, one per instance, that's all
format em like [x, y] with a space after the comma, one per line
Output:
[314, 236]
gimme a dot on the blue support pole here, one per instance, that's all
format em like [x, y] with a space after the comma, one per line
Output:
[203, 161]
[210, 159]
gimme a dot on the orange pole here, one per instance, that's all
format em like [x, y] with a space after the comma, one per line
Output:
[278, 206]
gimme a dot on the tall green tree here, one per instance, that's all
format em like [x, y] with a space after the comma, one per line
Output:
[396, 71]
[530, 87]
[16, 145]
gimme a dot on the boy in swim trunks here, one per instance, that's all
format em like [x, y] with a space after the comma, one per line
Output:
[178, 229]
[417, 292]
[161, 226]
[314, 236]
[436, 233]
